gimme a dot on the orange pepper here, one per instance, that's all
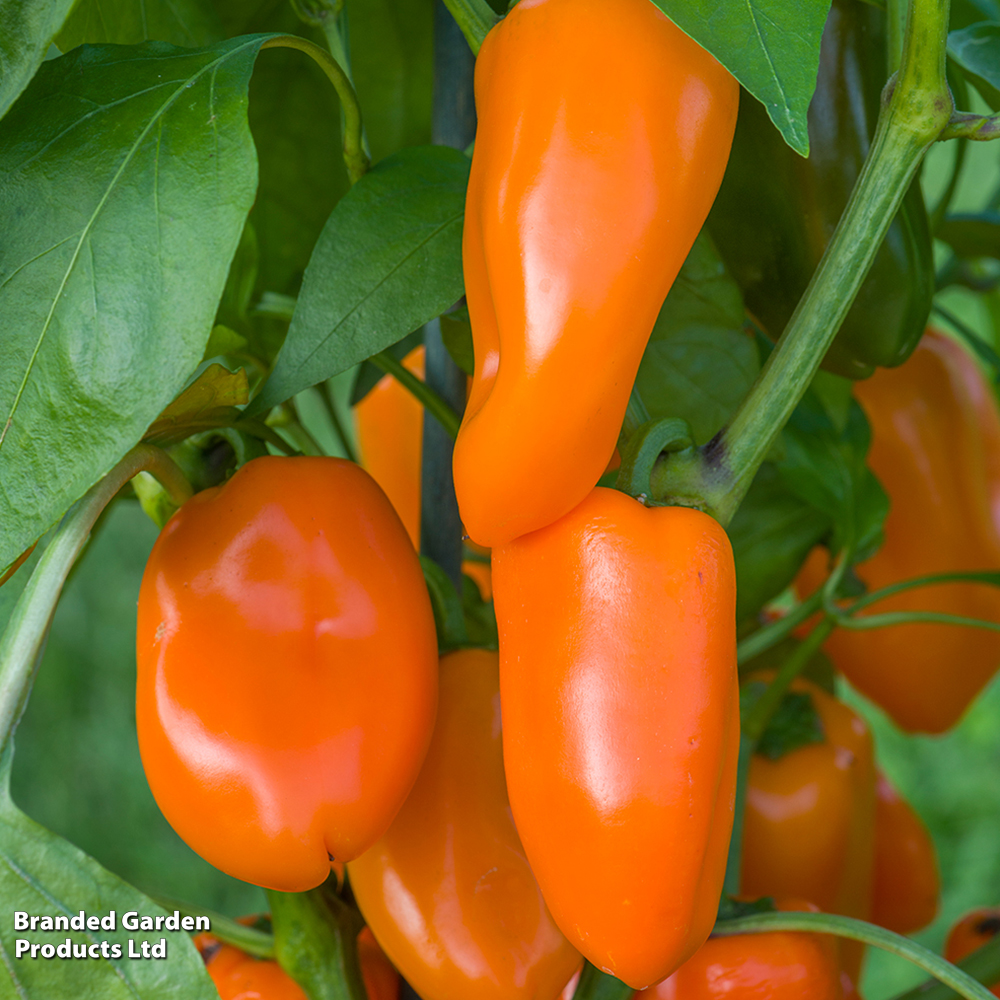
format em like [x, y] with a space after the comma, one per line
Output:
[603, 134]
[621, 724]
[447, 891]
[287, 669]
[969, 934]
[780, 965]
[390, 424]
[809, 824]
[907, 884]
[239, 976]
[936, 449]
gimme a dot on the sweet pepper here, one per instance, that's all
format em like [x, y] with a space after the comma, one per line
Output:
[603, 132]
[621, 724]
[287, 669]
[447, 891]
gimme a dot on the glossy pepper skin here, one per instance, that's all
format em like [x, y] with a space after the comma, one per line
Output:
[239, 976]
[809, 825]
[776, 211]
[975, 929]
[936, 449]
[287, 669]
[782, 965]
[603, 133]
[621, 724]
[907, 884]
[447, 891]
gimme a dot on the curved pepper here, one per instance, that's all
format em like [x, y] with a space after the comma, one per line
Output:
[936, 449]
[809, 824]
[975, 929]
[621, 724]
[782, 965]
[287, 669]
[603, 134]
[448, 891]
[907, 884]
[776, 212]
[239, 976]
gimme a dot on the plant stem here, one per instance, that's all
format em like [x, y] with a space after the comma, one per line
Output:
[918, 109]
[24, 636]
[760, 715]
[254, 942]
[912, 618]
[474, 18]
[428, 398]
[355, 157]
[858, 930]
[770, 635]
[734, 859]
[983, 965]
[326, 393]
[315, 941]
[986, 577]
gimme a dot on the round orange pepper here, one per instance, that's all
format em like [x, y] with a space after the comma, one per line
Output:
[809, 824]
[969, 934]
[603, 134]
[239, 976]
[390, 422]
[907, 883]
[447, 891]
[781, 965]
[287, 669]
[621, 724]
[936, 449]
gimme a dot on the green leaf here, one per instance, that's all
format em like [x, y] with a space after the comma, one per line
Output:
[772, 533]
[389, 259]
[392, 62]
[125, 179]
[977, 50]
[41, 873]
[972, 235]
[192, 23]
[794, 724]
[966, 12]
[698, 364]
[480, 617]
[770, 46]
[819, 669]
[449, 616]
[27, 28]
[826, 468]
[210, 401]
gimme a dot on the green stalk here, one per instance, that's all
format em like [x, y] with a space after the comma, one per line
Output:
[475, 18]
[24, 636]
[989, 577]
[355, 157]
[770, 635]
[597, 985]
[429, 399]
[857, 930]
[254, 942]
[918, 109]
[983, 965]
[734, 859]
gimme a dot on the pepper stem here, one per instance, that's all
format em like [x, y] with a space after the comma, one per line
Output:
[22, 641]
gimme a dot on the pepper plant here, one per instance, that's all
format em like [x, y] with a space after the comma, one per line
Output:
[222, 224]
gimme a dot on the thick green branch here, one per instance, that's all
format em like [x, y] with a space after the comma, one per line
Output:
[355, 157]
[24, 636]
[858, 930]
